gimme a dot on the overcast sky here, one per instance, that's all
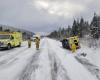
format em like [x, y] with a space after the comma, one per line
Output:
[45, 15]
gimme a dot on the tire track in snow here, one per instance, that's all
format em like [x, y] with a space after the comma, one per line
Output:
[58, 72]
[89, 66]
[54, 67]
[30, 68]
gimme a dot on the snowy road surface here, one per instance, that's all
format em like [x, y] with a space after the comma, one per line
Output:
[51, 62]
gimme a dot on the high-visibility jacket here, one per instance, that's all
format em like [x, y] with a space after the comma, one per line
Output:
[73, 48]
[37, 42]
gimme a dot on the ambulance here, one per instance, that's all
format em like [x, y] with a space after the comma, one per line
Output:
[10, 39]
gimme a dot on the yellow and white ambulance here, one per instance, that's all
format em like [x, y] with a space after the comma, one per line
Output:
[10, 39]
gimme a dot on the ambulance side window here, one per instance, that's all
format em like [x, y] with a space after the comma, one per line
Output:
[12, 38]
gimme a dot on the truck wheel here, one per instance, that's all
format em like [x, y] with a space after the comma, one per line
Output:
[9, 46]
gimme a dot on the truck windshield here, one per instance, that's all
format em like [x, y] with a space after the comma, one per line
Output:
[4, 36]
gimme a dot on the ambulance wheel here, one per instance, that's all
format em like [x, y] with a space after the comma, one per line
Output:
[9, 46]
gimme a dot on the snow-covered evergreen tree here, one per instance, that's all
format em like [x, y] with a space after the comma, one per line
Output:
[95, 27]
[75, 28]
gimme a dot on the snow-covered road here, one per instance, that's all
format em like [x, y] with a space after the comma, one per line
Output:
[51, 62]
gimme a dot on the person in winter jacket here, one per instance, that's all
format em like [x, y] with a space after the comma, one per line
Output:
[29, 42]
[37, 42]
[73, 48]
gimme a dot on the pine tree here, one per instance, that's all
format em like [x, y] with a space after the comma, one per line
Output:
[81, 27]
[68, 30]
[59, 32]
[75, 28]
[95, 27]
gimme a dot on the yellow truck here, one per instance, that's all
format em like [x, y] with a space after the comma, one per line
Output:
[71, 43]
[74, 40]
[10, 39]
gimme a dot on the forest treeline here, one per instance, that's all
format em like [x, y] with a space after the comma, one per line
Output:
[80, 28]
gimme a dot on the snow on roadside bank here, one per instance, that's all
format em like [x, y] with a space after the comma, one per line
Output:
[93, 54]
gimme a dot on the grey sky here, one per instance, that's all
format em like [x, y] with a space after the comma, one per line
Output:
[45, 15]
